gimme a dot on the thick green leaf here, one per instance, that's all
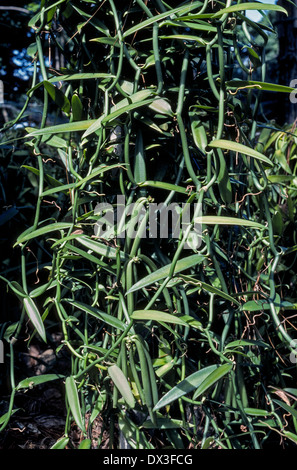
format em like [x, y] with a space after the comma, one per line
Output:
[162, 273]
[32, 49]
[290, 435]
[94, 21]
[35, 317]
[246, 342]
[71, 77]
[114, 42]
[61, 443]
[4, 417]
[280, 178]
[292, 391]
[51, 140]
[64, 188]
[271, 423]
[58, 96]
[255, 305]
[33, 21]
[263, 304]
[85, 444]
[286, 407]
[208, 442]
[161, 106]
[101, 249]
[100, 170]
[250, 6]
[240, 148]
[122, 384]
[254, 57]
[80, 76]
[164, 423]
[265, 86]
[185, 386]
[280, 157]
[198, 132]
[161, 371]
[212, 378]
[163, 185]
[25, 236]
[63, 128]
[208, 288]
[148, 122]
[157, 316]
[10, 331]
[116, 113]
[180, 22]
[15, 287]
[179, 10]
[50, 180]
[105, 317]
[37, 380]
[185, 37]
[221, 220]
[90, 257]
[191, 321]
[77, 108]
[73, 400]
[137, 97]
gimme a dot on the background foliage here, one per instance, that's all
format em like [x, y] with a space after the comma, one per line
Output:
[171, 348]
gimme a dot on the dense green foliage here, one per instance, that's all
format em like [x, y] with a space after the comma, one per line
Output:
[173, 347]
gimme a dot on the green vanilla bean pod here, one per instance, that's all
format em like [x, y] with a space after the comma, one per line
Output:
[148, 387]
[134, 372]
[129, 284]
[144, 373]
[157, 58]
[121, 44]
[242, 413]
[241, 383]
[152, 375]
[180, 122]
[139, 163]
[155, 46]
[228, 394]
[127, 131]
